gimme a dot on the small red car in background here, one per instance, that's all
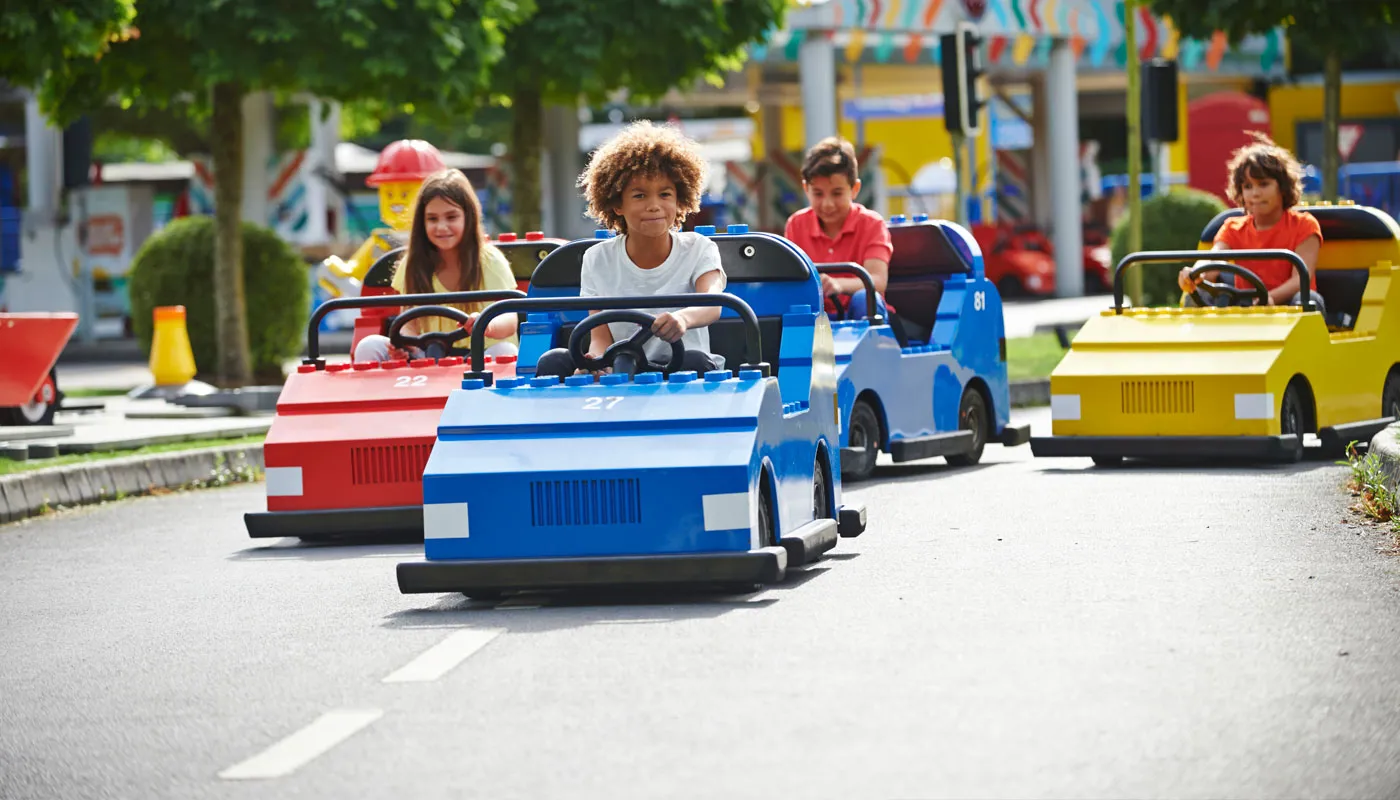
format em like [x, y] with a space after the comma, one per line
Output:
[1021, 260]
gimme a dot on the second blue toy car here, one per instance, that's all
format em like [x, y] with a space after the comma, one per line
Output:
[944, 392]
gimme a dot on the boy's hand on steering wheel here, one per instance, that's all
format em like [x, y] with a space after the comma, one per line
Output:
[669, 327]
[1183, 279]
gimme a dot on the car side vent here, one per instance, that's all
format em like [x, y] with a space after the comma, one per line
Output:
[599, 501]
[1158, 397]
[395, 463]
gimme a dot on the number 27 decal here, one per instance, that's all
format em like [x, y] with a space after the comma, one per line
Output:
[600, 403]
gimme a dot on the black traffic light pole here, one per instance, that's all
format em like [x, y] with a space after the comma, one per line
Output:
[962, 105]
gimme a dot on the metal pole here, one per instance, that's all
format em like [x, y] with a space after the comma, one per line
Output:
[1134, 146]
[960, 171]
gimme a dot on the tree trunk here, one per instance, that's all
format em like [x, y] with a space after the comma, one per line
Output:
[231, 323]
[1134, 112]
[1331, 117]
[526, 135]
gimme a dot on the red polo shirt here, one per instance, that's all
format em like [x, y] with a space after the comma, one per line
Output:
[863, 236]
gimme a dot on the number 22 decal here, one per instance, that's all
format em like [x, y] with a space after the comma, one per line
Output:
[597, 403]
[404, 381]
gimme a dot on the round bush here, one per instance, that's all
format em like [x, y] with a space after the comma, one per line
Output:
[1172, 221]
[175, 267]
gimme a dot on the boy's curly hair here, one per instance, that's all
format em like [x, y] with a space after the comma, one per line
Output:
[1264, 159]
[645, 150]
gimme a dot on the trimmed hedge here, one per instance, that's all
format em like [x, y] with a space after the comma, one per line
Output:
[1171, 221]
[176, 267]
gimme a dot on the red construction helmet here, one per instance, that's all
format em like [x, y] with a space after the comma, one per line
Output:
[406, 160]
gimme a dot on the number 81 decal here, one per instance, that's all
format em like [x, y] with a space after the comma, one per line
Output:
[979, 301]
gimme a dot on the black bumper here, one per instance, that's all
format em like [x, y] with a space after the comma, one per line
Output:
[765, 565]
[346, 523]
[1015, 435]
[1242, 448]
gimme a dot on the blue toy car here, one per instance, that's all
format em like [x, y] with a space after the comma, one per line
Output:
[944, 391]
[660, 477]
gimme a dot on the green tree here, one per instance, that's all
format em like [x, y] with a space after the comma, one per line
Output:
[37, 36]
[1327, 27]
[430, 57]
[593, 47]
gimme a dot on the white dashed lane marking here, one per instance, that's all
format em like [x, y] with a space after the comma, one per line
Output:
[443, 656]
[286, 756]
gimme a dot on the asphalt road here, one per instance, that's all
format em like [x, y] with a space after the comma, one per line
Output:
[1027, 628]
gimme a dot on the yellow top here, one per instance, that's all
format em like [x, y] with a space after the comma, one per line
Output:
[495, 275]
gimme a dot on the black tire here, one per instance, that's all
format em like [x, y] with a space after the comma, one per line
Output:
[1390, 394]
[37, 413]
[972, 416]
[1009, 287]
[864, 433]
[821, 491]
[767, 530]
[1292, 417]
[1108, 461]
[484, 595]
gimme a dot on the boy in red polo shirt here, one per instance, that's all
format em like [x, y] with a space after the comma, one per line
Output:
[1265, 181]
[835, 228]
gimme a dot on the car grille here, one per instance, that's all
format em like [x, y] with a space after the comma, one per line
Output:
[600, 501]
[397, 463]
[1158, 397]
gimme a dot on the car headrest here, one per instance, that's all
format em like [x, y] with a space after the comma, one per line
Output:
[381, 272]
[525, 255]
[561, 268]
[1339, 223]
[754, 258]
[925, 248]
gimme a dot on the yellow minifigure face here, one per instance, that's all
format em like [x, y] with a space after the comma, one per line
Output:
[396, 203]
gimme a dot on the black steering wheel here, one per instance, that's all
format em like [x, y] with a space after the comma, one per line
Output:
[1254, 291]
[627, 356]
[434, 345]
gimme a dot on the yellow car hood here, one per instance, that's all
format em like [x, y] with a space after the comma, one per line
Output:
[1185, 341]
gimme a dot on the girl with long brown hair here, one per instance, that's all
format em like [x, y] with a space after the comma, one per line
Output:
[448, 251]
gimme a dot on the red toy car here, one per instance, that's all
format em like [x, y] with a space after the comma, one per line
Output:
[1021, 260]
[345, 454]
[28, 385]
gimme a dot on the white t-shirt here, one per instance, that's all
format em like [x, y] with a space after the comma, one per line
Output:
[609, 272]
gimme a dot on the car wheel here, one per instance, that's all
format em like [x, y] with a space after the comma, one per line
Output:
[1390, 395]
[39, 410]
[767, 531]
[972, 416]
[821, 491]
[1291, 418]
[484, 595]
[865, 436]
[1107, 461]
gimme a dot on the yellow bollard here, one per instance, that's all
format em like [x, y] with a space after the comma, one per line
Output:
[172, 360]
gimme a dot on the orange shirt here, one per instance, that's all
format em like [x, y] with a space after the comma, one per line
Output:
[1239, 233]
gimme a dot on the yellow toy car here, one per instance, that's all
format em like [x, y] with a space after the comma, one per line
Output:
[1247, 381]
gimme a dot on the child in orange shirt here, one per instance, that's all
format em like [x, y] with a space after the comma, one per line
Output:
[1265, 181]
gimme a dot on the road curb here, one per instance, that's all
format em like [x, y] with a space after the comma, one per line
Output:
[28, 494]
[1386, 446]
[1030, 393]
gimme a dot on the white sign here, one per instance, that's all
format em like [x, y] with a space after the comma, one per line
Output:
[1347, 137]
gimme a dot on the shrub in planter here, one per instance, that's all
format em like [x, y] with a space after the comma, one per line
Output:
[175, 267]
[1171, 221]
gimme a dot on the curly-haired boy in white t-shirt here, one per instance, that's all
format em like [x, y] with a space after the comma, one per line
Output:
[642, 184]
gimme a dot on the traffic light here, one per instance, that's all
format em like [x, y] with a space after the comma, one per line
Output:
[962, 67]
